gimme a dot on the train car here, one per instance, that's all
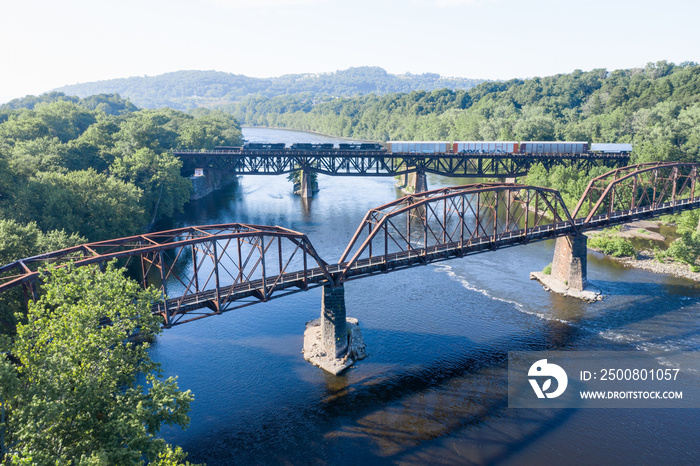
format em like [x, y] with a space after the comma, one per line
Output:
[312, 146]
[373, 146]
[484, 147]
[622, 149]
[549, 147]
[264, 146]
[419, 147]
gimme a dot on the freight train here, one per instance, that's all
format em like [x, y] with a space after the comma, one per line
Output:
[505, 147]
[448, 147]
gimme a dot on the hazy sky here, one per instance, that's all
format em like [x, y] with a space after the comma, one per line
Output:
[45, 44]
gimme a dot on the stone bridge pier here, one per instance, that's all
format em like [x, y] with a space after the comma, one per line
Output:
[569, 269]
[333, 342]
[570, 261]
[414, 182]
[306, 187]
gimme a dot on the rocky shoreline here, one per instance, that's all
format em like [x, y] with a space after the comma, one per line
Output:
[646, 260]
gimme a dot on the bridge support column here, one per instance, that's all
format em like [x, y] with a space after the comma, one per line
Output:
[333, 326]
[570, 262]
[417, 182]
[306, 189]
[569, 276]
[333, 342]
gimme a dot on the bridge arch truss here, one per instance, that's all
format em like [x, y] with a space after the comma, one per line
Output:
[452, 222]
[639, 191]
[207, 269]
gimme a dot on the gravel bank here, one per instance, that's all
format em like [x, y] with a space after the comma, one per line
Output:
[646, 260]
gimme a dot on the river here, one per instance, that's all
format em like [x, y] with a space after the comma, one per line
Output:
[434, 387]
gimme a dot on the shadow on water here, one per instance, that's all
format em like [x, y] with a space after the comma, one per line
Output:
[384, 416]
[391, 416]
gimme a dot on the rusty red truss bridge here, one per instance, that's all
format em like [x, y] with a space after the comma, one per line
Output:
[207, 270]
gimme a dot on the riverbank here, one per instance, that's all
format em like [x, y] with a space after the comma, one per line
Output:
[646, 258]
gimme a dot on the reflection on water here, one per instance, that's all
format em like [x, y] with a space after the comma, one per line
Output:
[434, 387]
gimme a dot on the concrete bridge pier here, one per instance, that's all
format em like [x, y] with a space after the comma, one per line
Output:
[306, 188]
[570, 261]
[333, 342]
[333, 321]
[416, 182]
[569, 269]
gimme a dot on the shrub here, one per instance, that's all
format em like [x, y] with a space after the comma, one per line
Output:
[612, 245]
[685, 249]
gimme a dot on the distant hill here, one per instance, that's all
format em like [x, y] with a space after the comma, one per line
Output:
[187, 89]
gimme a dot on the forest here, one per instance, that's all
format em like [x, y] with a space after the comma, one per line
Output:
[72, 391]
[77, 170]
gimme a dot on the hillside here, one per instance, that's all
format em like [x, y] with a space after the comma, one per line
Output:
[188, 89]
[655, 107]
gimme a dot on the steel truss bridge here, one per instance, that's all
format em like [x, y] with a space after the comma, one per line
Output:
[207, 270]
[338, 162]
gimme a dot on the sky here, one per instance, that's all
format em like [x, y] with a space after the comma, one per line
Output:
[45, 44]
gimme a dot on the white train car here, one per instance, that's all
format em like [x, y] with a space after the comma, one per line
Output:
[485, 147]
[607, 148]
[419, 147]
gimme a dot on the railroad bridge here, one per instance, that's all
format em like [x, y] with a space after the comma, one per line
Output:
[340, 162]
[204, 271]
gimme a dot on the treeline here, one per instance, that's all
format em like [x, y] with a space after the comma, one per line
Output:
[93, 168]
[656, 107]
[188, 89]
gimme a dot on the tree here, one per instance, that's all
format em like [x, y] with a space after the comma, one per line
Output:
[208, 130]
[146, 129]
[78, 391]
[65, 120]
[18, 241]
[158, 175]
[95, 205]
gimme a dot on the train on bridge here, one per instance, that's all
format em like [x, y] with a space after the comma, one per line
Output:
[507, 148]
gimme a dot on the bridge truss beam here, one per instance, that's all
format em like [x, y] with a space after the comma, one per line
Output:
[638, 191]
[211, 268]
[452, 222]
[208, 270]
[379, 163]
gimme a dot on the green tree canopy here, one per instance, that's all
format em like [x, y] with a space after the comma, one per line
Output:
[77, 390]
[94, 205]
[158, 175]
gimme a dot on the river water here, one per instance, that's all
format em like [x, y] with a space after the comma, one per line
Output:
[434, 388]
